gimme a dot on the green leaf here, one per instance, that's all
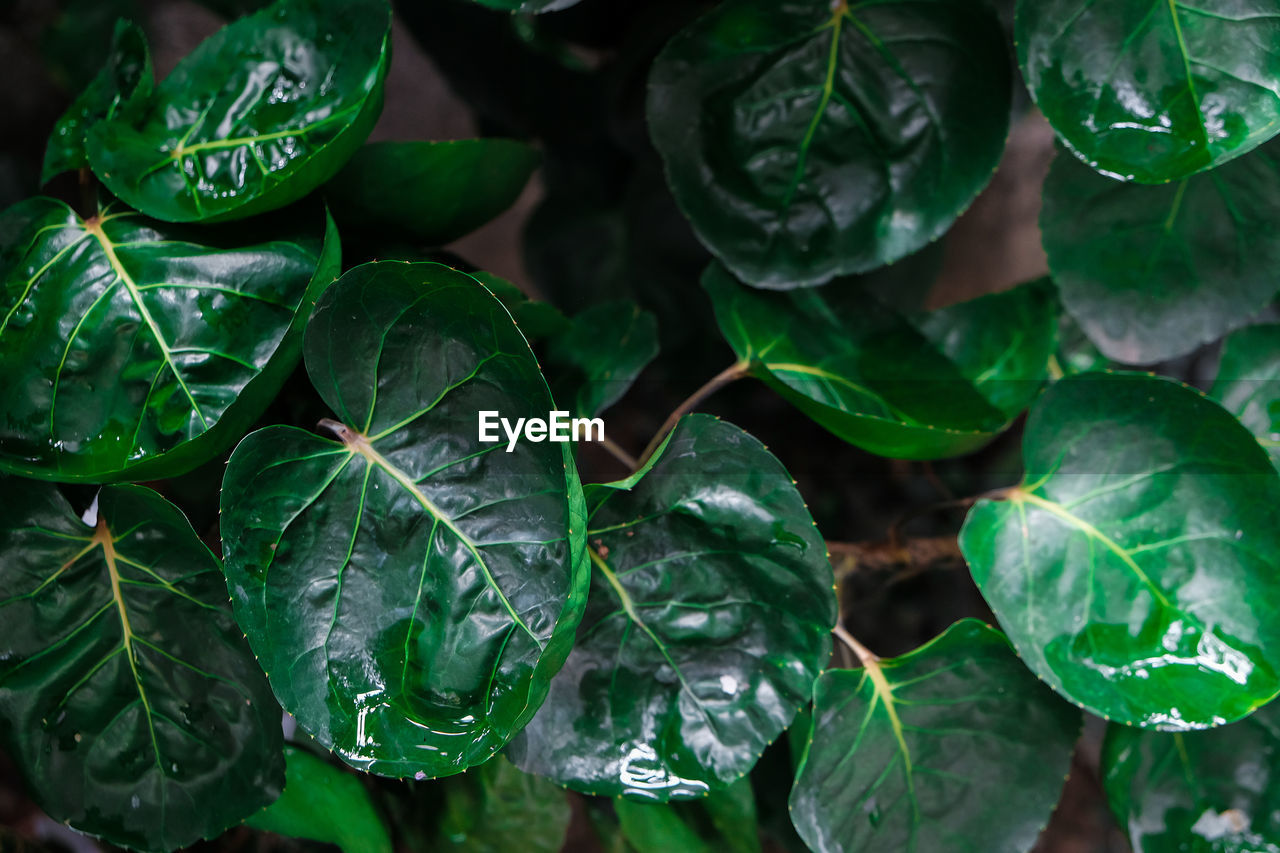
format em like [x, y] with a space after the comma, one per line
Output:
[133, 349]
[809, 139]
[953, 746]
[430, 192]
[1248, 383]
[128, 698]
[708, 619]
[490, 806]
[593, 364]
[733, 814]
[652, 827]
[1075, 352]
[1137, 566]
[1151, 273]
[532, 6]
[914, 386]
[536, 320]
[261, 113]
[126, 77]
[409, 590]
[1207, 792]
[325, 804]
[1153, 91]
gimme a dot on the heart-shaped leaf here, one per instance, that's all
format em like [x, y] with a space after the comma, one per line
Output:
[1209, 791]
[260, 114]
[1137, 566]
[128, 698]
[811, 139]
[914, 386]
[1153, 92]
[709, 617]
[593, 364]
[132, 349]
[409, 589]
[953, 746]
[1248, 383]
[1151, 273]
[125, 78]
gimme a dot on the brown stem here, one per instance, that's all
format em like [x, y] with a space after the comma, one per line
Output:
[913, 554]
[733, 372]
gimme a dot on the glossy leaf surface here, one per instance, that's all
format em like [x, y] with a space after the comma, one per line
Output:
[807, 139]
[260, 114]
[126, 77]
[323, 803]
[128, 698]
[1151, 273]
[409, 590]
[593, 364]
[1154, 91]
[135, 349]
[953, 746]
[1209, 791]
[708, 619]
[487, 808]
[1248, 383]
[430, 192]
[915, 386]
[1137, 566]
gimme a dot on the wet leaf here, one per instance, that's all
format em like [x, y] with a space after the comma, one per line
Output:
[133, 349]
[409, 590]
[260, 114]
[488, 807]
[593, 364]
[708, 618]
[1137, 566]
[953, 746]
[808, 139]
[128, 698]
[1248, 383]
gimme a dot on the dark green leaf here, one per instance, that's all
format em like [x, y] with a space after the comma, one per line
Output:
[809, 139]
[430, 192]
[656, 828]
[953, 746]
[1153, 91]
[409, 590]
[491, 806]
[128, 697]
[126, 77]
[1151, 273]
[1248, 383]
[326, 804]
[260, 114]
[132, 349]
[1075, 352]
[1137, 566]
[536, 320]
[917, 386]
[707, 622]
[594, 363]
[733, 814]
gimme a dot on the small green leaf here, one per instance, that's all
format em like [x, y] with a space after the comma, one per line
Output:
[1248, 383]
[536, 320]
[914, 386]
[126, 77]
[1137, 566]
[323, 803]
[260, 114]
[409, 589]
[128, 698]
[708, 619]
[811, 139]
[953, 746]
[133, 349]
[1151, 273]
[487, 808]
[598, 359]
[1153, 91]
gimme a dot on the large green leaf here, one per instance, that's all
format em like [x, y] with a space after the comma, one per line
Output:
[953, 746]
[132, 349]
[326, 804]
[916, 386]
[260, 114]
[493, 807]
[126, 77]
[1197, 792]
[1154, 272]
[1248, 383]
[592, 365]
[128, 698]
[1137, 566]
[409, 590]
[431, 192]
[1153, 91]
[808, 139]
[708, 619]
